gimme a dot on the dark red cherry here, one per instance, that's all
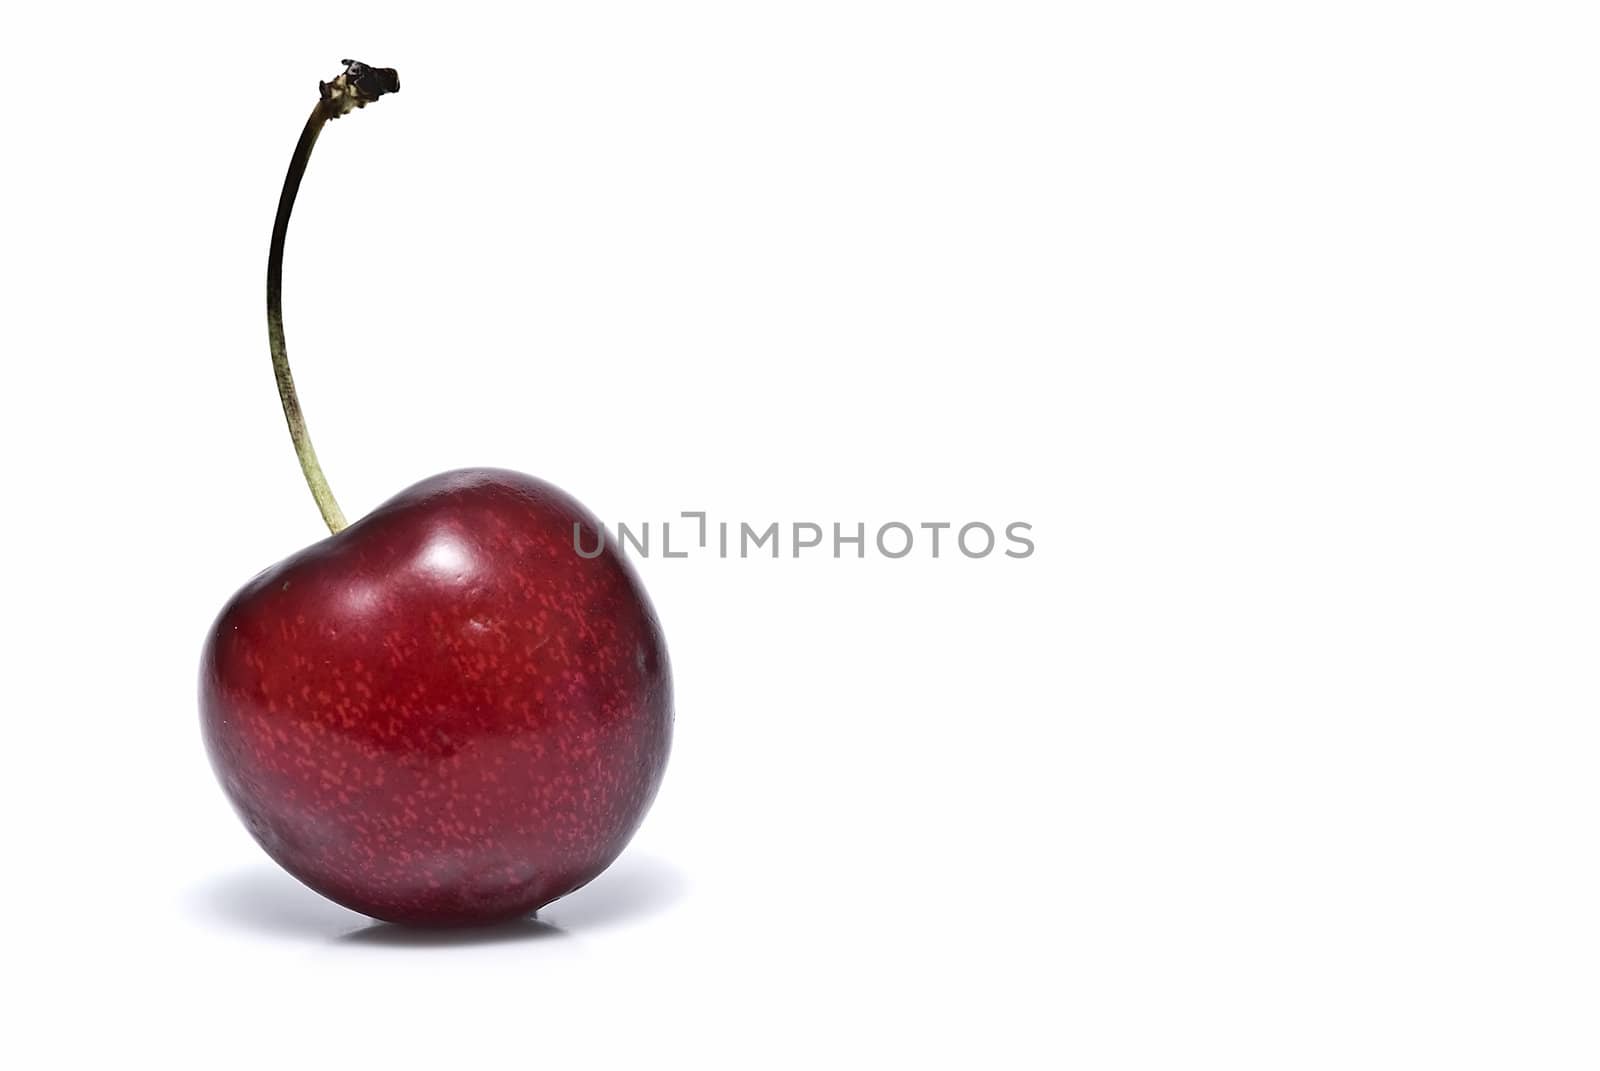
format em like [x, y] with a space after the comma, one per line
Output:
[443, 714]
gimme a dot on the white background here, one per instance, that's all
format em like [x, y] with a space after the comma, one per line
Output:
[1275, 320]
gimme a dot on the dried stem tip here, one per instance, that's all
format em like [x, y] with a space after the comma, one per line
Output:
[357, 87]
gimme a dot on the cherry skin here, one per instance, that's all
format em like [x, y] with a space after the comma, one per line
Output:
[444, 714]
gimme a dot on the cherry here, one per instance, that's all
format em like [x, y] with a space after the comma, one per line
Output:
[442, 714]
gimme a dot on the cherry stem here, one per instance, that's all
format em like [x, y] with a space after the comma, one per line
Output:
[357, 87]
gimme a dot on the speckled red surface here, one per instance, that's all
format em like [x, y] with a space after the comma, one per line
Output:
[443, 714]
